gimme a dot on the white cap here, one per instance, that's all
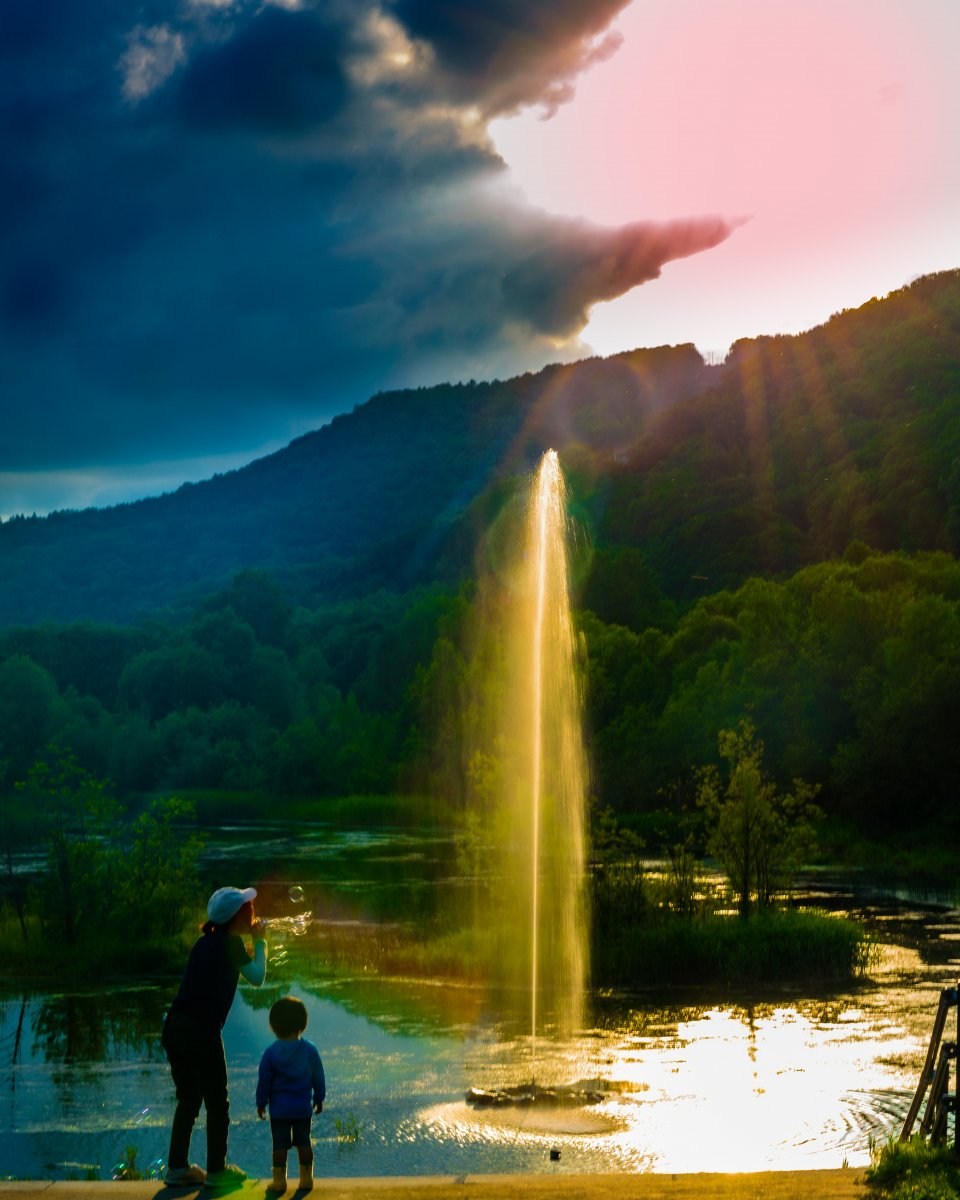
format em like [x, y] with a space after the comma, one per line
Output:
[226, 902]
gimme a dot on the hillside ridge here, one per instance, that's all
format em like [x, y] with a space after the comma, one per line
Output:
[784, 454]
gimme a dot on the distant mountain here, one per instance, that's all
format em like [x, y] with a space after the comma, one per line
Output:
[378, 498]
[783, 455]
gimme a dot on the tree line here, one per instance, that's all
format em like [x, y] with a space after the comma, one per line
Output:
[848, 671]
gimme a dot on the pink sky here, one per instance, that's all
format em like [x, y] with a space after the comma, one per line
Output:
[834, 125]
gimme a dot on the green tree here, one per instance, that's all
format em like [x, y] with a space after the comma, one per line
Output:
[622, 590]
[440, 692]
[12, 839]
[100, 867]
[300, 766]
[759, 834]
[178, 676]
[137, 755]
[901, 766]
[226, 747]
[257, 599]
[159, 878]
[223, 634]
[29, 711]
[404, 644]
[82, 859]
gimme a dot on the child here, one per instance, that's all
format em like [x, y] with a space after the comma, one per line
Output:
[290, 1074]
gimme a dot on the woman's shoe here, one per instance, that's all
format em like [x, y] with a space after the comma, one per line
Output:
[226, 1178]
[188, 1176]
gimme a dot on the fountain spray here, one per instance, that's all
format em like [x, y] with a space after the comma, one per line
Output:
[533, 745]
[546, 487]
[557, 761]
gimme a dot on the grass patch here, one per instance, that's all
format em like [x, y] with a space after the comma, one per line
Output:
[913, 1170]
[362, 812]
[771, 948]
[777, 946]
[108, 954]
[214, 808]
[925, 866]
[392, 951]
[920, 858]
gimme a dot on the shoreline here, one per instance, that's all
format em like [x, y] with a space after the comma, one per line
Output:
[844, 1183]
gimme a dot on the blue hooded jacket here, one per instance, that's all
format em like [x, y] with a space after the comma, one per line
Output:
[291, 1080]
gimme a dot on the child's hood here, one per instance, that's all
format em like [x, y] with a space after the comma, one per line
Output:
[290, 1051]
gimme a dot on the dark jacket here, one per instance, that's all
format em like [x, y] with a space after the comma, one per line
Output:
[210, 979]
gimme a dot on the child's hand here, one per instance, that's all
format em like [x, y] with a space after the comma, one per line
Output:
[318, 1107]
[262, 1114]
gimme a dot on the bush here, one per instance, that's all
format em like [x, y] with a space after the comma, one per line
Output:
[108, 880]
[775, 946]
[913, 1170]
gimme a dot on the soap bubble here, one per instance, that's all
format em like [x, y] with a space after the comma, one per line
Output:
[157, 1169]
[280, 926]
[296, 894]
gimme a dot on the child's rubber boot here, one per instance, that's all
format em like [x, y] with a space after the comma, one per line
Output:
[279, 1181]
[306, 1178]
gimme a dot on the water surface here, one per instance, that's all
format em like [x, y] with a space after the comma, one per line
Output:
[696, 1081]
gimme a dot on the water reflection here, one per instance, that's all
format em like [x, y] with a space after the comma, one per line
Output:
[804, 1083]
[377, 875]
[84, 1031]
[765, 1081]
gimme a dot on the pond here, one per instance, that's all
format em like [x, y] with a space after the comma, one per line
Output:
[694, 1082]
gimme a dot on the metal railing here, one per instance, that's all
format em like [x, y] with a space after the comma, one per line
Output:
[935, 1076]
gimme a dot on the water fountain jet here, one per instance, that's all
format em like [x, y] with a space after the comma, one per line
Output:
[540, 832]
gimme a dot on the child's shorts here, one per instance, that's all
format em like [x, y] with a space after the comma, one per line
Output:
[290, 1131]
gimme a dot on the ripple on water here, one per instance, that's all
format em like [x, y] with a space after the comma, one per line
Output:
[861, 1116]
[493, 1123]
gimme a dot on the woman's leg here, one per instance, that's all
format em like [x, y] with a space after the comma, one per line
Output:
[178, 1044]
[212, 1071]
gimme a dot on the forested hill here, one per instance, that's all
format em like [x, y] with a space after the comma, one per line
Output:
[850, 432]
[791, 450]
[377, 498]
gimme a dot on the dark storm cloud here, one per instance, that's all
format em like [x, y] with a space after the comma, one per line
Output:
[34, 297]
[222, 219]
[553, 286]
[282, 72]
[457, 284]
[501, 54]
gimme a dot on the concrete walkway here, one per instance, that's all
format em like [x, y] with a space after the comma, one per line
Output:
[844, 1184]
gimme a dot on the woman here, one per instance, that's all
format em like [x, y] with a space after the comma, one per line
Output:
[192, 1033]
